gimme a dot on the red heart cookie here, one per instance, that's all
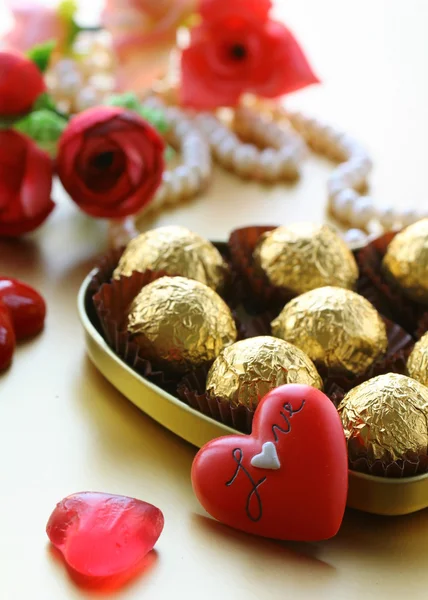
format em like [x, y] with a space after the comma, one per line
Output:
[26, 306]
[288, 480]
[101, 535]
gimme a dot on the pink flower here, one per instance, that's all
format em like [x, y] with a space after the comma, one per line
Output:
[35, 23]
[238, 49]
[144, 33]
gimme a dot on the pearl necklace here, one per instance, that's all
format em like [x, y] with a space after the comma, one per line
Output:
[262, 141]
[285, 137]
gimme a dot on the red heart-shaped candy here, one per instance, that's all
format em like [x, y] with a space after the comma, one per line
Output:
[288, 480]
[26, 306]
[102, 535]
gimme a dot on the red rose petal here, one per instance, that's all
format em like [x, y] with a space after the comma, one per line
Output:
[292, 70]
[26, 307]
[258, 10]
[102, 535]
[37, 182]
[21, 83]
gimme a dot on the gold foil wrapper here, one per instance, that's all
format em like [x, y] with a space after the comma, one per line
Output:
[305, 256]
[386, 419]
[417, 365]
[180, 324]
[245, 372]
[176, 251]
[406, 261]
[336, 328]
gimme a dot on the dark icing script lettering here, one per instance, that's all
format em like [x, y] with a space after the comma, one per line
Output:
[287, 412]
[253, 497]
[253, 506]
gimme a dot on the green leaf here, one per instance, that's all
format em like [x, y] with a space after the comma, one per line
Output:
[154, 116]
[67, 9]
[44, 101]
[44, 127]
[41, 54]
[129, 101]
[169, 153]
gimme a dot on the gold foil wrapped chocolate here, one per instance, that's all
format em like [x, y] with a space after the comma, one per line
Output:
[406, 261]
[305, 256]
[336, 328]
[176, 251]
[386, 419]
[245, 372]
[417, 365]
[180, 324]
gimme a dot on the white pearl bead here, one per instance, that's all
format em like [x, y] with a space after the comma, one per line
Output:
[336, 184]
[350, 174]
[65, 66]
[270, 165]
[196, 153]
[343, 202]
[205, 169]
[362, 211]
[287, 162]
[87, 98]
[174, 186]
[69, 83]
[189, 180]
[245, 159]
[173, 116]
[362, 161]
[218, 135]
[207, 123]
[387, 216]
[183, 129]
[355, 237]
[226, 150]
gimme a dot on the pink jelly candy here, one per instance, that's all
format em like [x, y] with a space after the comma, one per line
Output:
[102, 535]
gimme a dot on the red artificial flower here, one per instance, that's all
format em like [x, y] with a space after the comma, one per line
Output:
[258, 10]
[237, 49]
[25, 184]
[110, 161]
[21, 83]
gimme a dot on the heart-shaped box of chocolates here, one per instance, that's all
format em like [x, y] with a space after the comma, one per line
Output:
[196, 334]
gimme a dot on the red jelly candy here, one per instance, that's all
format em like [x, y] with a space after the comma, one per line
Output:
[7, 338]
[26, 306]
[288, 480]
[101, 535]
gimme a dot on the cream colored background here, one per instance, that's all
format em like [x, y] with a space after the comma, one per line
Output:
[64, 429]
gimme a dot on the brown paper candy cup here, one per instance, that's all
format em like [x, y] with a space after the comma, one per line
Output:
[259, 294]
[104, 267]
[384, 295]
[111, 303]
[400, 345]
[191, 390]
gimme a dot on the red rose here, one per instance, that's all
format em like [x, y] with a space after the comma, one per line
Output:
[25, 184]
[21, 83]
[110, 161]
[237, 49]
